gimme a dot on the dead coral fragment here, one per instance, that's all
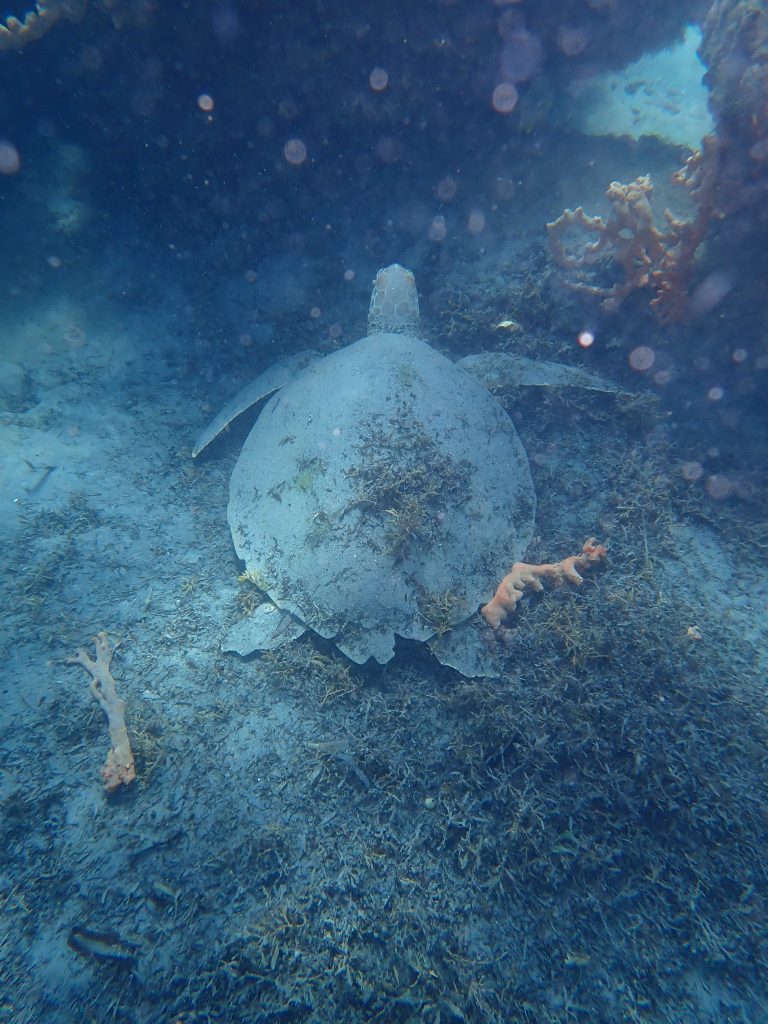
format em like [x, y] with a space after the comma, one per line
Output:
[119, 769]
[524, 576]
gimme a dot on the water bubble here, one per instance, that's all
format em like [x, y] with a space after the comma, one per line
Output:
[719, 487]
[692, 470]
[438, 229]
[475, 222]
[378, 79]
[295, 152]
[446, 189]
[572, 41]
[642, 358]
[504, 99]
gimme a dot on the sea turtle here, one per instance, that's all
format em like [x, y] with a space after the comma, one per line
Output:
[383, 490]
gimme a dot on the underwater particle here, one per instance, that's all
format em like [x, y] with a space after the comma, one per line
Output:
[288, 108]
[438, 229]
[349, 275]
[10, 161]
[642, 358]
[430, 803]
[572, 41]
[446, 189]
[295, 152]
[476, 222]
[504, 99]
[53, 261]
[389, 150]
[739, 355]
[315, 313]
[692, 470]
[715, 394]
[378, 79]
[719, 487]
[205, 102]
[521, 56]
[694, 633]
[586, 339]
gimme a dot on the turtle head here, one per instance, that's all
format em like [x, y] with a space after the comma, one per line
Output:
[394, 305]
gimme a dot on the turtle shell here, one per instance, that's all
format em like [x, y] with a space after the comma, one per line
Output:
[378, 493]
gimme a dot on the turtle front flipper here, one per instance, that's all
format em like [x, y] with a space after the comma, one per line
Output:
[274, 378]
[500, 369]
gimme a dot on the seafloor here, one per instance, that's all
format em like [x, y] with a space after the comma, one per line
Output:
[581, 839]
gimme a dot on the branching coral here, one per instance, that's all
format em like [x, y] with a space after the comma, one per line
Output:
[119, 769]
[15, 33]
[523, 577]
[660, 259]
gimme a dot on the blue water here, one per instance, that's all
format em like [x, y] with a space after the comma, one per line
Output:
[574, 831]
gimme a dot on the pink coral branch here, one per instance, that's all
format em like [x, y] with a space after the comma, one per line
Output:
[524, 576]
